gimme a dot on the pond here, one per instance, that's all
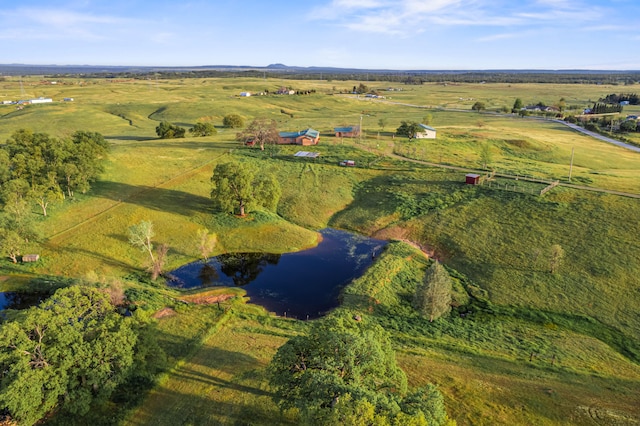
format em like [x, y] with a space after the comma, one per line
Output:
[20, 300]
[302, 285]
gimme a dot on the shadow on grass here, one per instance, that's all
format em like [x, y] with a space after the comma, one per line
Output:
[87, 253]
[154, 198]
[172, 407]
[130, 138]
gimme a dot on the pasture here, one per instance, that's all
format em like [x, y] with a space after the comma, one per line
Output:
[495, 242]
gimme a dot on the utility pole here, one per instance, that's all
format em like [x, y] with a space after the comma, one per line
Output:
[571, 163]
[360, 130]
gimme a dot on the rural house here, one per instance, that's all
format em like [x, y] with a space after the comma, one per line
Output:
[426, 132]
[347, 132]
[303, 137]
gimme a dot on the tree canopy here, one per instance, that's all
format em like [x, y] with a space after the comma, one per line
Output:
[233, 121]
[203, 129]
[344, 370]
[166, 130]
[42, 169]
[408, 129]
[433, 297]
[261, 131]
[479, 106]
[69, 351]
[240, 187]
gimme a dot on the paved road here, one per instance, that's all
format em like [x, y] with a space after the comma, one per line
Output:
[599, 136]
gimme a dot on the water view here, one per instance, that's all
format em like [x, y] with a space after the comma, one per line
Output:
[19, 300]
[302, 285]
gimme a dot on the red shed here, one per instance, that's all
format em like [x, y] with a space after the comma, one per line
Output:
[473, 179]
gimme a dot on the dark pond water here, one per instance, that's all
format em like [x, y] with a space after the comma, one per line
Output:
[19, 300]
[298, 285]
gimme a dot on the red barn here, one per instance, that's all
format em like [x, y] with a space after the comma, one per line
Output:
[472, 179]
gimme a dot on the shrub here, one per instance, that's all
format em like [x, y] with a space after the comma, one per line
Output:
[232, 121]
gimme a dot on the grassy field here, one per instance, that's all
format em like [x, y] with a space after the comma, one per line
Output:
[583, 317]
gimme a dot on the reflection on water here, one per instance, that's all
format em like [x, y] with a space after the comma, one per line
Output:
[303, 285]
[20, 300]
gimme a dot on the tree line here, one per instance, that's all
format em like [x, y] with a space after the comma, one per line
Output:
[602, 108]
[409, 77]
[613, 98]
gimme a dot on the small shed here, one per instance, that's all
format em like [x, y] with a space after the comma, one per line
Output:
[472, 179]
[30, 257]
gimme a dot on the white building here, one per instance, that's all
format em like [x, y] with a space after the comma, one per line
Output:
[426, 132]
[40, 100]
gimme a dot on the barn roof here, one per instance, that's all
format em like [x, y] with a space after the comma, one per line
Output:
[307, 132]
[424, 126]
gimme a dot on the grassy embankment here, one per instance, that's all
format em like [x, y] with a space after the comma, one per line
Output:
[583, 315]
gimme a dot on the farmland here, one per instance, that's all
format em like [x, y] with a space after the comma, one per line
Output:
[522, 346]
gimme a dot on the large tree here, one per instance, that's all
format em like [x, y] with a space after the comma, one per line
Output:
[261, 131]
[433, 297]
[479, 106]
[69, 351]
[486, 156]
[517, 105]
[408, 129]
[141, 236]
[239, 187]
[344, 370]
[11, 244]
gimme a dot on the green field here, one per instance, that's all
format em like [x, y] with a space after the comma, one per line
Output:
[524, 346]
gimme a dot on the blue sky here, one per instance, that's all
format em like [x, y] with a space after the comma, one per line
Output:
[389, 34]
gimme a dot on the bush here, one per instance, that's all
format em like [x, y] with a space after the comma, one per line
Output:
[203, 129]
[232, 121]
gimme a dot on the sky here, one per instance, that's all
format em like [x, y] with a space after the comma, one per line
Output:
[366, 34]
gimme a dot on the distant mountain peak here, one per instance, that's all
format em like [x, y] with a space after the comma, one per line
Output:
[278, 66]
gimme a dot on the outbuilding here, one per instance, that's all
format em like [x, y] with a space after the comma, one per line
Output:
[425, 132]
[347, 132]
[472, 179]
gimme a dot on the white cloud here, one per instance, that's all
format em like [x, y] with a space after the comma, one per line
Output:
[48, 23]
[405, 17]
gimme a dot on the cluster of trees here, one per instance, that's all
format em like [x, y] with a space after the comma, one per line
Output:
[72, 350]
[203, 129]
[36, 168]
[613, 98]
[608, 123]
[360, 89]
[345, 372]
[602, 108]
[166, 130]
